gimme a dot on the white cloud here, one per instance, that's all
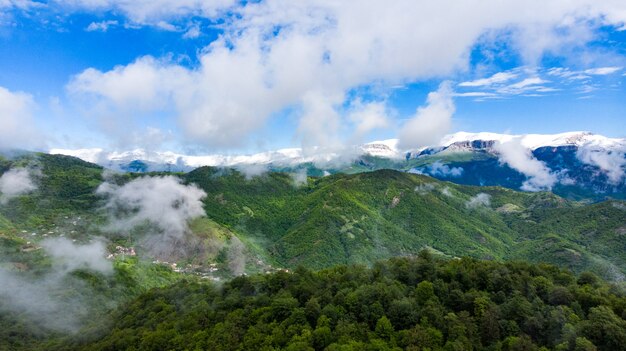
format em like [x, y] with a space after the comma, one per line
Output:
[611, 162]
[527, 82]
[497, 78]
[367, 117]
[70, 257]
[102, 26]
[145, 84]
[520, 158]
[300, 177]
[168, 27]
[565, 72]
[44, 298]
[480, 200]
[192, 32]
[603, 71]
[15, 182]
[533, 83]
[163, 202]
[439, 169]
[17, 128]
[252, 170]
[425, 188]
[431, 122]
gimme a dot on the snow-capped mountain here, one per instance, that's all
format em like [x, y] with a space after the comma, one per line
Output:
[457, 142]
[535, 141]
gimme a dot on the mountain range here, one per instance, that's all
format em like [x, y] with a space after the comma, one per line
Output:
[575, 165]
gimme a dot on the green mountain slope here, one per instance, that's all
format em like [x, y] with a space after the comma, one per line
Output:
[363, 217]
[404, 304]
[345, 218]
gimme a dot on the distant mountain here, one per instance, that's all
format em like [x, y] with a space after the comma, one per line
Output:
[583, 165]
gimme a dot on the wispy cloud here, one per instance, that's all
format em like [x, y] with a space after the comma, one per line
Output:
[499, 77]
[101, 26]
[536, 82]
[603, 71]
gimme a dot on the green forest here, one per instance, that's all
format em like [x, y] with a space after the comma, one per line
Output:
[420, 303]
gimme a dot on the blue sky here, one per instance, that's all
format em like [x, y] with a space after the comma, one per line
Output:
[228, 76]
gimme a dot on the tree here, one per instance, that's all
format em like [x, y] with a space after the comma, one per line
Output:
[384, 329]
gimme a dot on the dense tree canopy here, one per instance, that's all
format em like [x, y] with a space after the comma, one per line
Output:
[418, 303]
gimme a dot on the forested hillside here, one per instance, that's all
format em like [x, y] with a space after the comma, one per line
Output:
[418, 303]
[363, 217]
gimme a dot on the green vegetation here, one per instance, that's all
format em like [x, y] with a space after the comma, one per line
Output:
[420, 303]
[66, 186]
[267, 222]
[364, 217]
[340, 219]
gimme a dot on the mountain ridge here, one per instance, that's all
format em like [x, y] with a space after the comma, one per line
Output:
[293, 156]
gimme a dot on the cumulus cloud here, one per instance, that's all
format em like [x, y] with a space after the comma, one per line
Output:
[55, 300]
[367, 117]
[163, 203]
[520, 158]
[16, 182]
[17, 129]
[431, 122]
[303, 56]
[610, 161]
[480, 200]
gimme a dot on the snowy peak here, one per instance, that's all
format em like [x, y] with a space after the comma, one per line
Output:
[535, 141]
[385, 148]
